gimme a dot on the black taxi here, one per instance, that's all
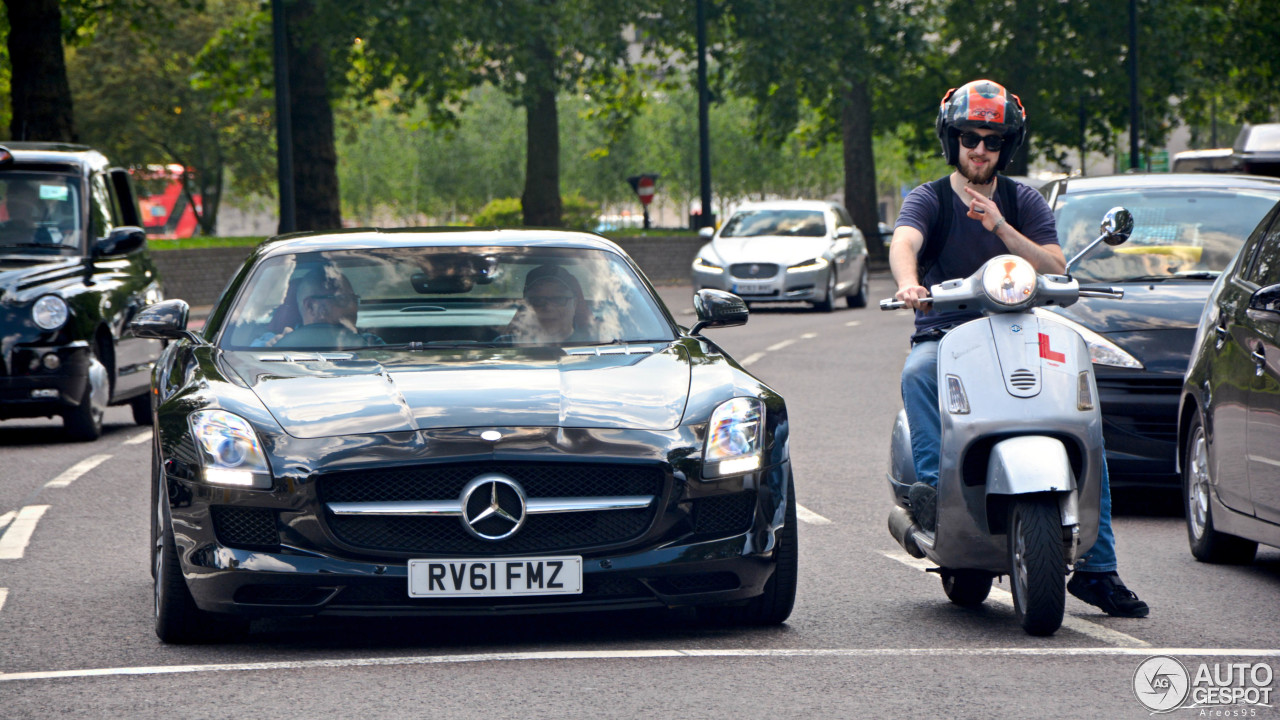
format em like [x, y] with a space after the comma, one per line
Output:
[74, 270]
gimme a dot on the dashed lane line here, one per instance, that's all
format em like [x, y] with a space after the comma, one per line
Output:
[14, 540]
[804, 514]
[5, 518]
[4, 595]
[779, 345]
[138, 439]
[808, 336]
[853, 323]
[659, 653]
[74, 472]
[752, 358]
[1071, 622]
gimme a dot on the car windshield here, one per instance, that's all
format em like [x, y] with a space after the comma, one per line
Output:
[755, 223]
[39, 213]
[1177, 233]
[421, 297]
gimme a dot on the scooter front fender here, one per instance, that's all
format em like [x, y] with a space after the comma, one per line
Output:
[1029, 464]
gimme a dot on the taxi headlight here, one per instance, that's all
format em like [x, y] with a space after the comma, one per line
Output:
[230, 452]
[50, 312]
[1009, 280]
[734, 438]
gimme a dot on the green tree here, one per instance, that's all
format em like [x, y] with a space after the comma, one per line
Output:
[141, 98]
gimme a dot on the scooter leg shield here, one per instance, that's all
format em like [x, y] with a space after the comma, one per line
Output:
[902, 468]
[1029, 464]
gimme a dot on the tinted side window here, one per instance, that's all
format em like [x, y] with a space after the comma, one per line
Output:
[1260, 251]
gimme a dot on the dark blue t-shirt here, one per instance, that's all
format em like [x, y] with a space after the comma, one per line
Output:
[970, 244]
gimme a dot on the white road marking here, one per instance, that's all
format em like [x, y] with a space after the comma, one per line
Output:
[808, 336]
[74, 472]
[1070, 622]
[853, 323]
[570, 655]
[14, 540]
[138, 439]
[4, 595]
[804, 514]
[752, 358]
[780, 345]
[5, 518]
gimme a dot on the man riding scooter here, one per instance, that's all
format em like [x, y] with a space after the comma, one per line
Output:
[936, 238]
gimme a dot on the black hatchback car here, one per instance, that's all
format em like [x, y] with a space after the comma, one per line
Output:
[1186, 229]
[460, 422]
[1229, 420]
[74, 270]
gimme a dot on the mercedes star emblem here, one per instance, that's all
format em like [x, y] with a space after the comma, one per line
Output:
[493, 507]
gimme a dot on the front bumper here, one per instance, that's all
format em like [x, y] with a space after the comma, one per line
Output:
[29, 389]
[782, 286]
[308, 571]
[1140, 427]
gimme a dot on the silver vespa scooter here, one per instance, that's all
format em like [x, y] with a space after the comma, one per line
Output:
[1021, 454]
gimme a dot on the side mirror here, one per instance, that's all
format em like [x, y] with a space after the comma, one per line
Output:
[707, 233]
[844, 231]
[1264, 305]
[165, 320]
[1117, 226]
[717, 308]
[122, 241]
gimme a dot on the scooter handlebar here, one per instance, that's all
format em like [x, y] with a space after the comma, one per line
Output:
[894, 304]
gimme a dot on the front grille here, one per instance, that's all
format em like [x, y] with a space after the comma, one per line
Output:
[245, 526]
[753, 270]
[724, 514]
[446, 535]
[445, 482]
[1022, 379]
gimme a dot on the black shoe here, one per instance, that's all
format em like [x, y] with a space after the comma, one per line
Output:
[923, 499]
[1107, 591]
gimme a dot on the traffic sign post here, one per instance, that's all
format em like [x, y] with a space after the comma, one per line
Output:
[644, 186]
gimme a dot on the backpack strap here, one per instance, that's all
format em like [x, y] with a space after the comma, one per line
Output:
[940, 228]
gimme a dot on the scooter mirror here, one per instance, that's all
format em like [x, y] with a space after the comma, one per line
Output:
[1117, 225]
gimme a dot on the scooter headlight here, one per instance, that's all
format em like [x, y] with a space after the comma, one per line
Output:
[735, 438]
[230, 451]
[1009, 280]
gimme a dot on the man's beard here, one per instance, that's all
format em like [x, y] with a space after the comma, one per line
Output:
[978, 177]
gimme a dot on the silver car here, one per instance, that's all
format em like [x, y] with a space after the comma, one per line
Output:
[786, 251]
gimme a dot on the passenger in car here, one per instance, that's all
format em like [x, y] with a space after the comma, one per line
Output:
[554, 309]
[324, 298]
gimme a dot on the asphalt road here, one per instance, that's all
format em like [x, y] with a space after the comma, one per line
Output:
[871, 633]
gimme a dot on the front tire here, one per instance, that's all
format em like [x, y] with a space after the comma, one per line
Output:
[84, 421]
[860, 299]
[1037, 566]
[966, 588]
[828, 303]
[141, 408]
[1207, 544]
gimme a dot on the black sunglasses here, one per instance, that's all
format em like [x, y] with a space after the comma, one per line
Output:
[971, 140]
[549, 300]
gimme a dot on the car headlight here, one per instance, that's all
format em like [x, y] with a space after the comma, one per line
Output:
[1101, 350]
[809, 265]
[1009, 280]
[50, 312]
[735, 438]
[700, 264]
[230, 451]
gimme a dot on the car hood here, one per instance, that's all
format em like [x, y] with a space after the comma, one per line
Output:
[783, 250]
[21, 273]
[1154, 322]
[314, 396]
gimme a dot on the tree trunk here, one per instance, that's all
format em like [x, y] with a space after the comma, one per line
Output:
[860, 166]
[315, 158]
[39, 92]
[541, 197]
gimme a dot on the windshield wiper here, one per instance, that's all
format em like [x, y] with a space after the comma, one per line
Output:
[1185, 275]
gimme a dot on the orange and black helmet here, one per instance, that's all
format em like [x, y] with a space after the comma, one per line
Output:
[981, 104]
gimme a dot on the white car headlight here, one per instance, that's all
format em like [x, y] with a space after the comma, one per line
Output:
[701, 264]
[230, 451]
[1101, 350]
[1009, 280]
[50, 312]
[735, 438]
[809, 265]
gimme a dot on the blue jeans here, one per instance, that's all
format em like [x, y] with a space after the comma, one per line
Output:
[920, 398]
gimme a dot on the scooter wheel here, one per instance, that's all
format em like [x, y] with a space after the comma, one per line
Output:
[1037, 566]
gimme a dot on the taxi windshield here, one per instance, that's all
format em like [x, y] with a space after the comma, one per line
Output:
[1177, 233]
[419, 297]
[39, 213]
[756, 223]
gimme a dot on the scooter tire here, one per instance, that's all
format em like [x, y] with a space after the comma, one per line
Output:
[1037, 566]
[966, 588]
